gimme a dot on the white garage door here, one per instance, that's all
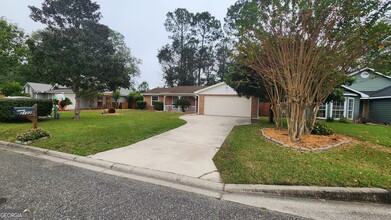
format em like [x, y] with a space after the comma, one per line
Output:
[227, 106]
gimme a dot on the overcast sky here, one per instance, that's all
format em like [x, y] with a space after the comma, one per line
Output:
[140, 21]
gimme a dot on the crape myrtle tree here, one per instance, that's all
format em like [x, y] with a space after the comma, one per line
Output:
[302, 49]
[76, 51]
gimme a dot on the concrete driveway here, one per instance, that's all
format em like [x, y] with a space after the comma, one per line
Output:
[187, 150]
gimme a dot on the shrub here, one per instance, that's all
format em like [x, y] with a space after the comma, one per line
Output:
[183, 103]
[344, 120]
[32, 135]
[321, 129]
[329, 119]
[158, 106]
[6, 108]
[363, 120]
[141, 104]
[12, 89]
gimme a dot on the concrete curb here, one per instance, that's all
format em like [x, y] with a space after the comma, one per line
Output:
[376, 195]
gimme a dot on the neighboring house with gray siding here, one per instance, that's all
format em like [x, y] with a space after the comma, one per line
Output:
[46, 92]
[368, 97]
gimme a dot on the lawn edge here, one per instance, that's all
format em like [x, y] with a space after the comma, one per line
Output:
[200, 186]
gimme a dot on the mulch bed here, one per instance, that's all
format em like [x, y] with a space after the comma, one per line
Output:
[309, 141]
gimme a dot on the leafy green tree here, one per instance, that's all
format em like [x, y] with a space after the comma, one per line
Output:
[191, 57]
[134, 97]
[143, 87]
[183, 103]
[12, 89]
[207, 31]
[378, 48]
[76, 51]
[13, 52]
[177, 67]
[116, 95]
[223, 58]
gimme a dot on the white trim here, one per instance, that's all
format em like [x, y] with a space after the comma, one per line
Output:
[363, 95]
[347, 109]
[151, 94]
[349, 94]
[361, 70]
[325, 111]
[380, 97]
[331, 109]
[164, 103]
[367, 68]
[210, 87]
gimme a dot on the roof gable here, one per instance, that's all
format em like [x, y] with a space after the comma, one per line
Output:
[39, 87]
[368, 81]
[218, 89]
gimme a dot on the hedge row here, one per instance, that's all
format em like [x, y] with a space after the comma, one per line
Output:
[141, 104]
[158, 106]
[6, 108]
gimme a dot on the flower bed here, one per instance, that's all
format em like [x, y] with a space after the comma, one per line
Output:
[32, 135]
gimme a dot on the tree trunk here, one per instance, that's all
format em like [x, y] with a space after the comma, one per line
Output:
[296, 120]
[312, 117]
[271, 116]
[277, 115]
[76, 112]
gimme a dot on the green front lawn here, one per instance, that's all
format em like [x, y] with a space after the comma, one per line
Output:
[377, 134]
[246, 157]
[95, 133]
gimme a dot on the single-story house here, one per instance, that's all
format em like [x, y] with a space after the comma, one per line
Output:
[368, 97]
[219, 99]
[47, 91]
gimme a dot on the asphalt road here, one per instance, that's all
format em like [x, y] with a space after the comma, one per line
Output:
[57, 191]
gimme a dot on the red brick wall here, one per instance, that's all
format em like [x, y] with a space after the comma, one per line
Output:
[148, 99]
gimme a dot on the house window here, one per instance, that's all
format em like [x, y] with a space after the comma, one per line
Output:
[338, 110]
[154, 99]
[322, 111]
[350, 108]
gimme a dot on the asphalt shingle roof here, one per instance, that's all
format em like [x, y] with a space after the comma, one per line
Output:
[176, 89]
[382, 93]
[40, 87]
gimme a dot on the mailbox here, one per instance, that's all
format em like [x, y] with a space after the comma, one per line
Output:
[29, 112]
[24, 111]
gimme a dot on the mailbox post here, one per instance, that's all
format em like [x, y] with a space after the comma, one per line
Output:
[31, 113]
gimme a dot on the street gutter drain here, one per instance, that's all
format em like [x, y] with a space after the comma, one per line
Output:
[3, 200]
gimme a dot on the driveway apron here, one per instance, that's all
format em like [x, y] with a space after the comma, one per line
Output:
[187, 150]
